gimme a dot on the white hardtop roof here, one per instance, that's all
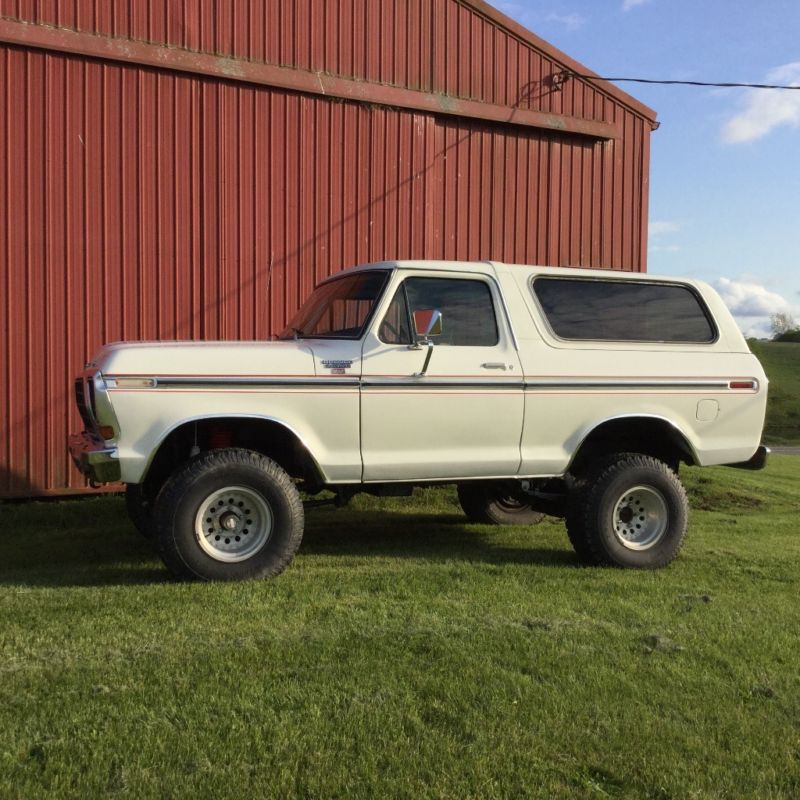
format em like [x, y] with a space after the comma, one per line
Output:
[493, 267]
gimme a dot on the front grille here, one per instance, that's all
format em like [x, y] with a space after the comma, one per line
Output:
[83, 407]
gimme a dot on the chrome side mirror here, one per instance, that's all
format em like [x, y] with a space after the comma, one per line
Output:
[428, 322]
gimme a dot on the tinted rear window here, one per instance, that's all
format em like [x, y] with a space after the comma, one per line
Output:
[623, 311]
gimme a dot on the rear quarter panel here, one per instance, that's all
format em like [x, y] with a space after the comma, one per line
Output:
[572, 387]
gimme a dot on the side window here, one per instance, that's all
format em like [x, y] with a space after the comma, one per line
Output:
[623, 311]
[468, 318]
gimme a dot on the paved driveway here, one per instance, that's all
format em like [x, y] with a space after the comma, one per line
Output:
[785, 451]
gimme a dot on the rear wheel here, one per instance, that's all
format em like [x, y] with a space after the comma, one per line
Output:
[493, 505]
[229, 515]
[631, 512]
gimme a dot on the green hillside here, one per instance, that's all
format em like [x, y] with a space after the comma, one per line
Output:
[781, 360]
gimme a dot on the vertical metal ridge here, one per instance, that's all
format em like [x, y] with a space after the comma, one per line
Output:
[150, 203]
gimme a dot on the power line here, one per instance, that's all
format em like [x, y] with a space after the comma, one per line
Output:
[561, 78]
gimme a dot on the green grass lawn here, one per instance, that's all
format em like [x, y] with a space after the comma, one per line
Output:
[407, 654]
[781, 362]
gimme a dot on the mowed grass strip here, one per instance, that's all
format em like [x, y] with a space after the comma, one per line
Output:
[407, 653]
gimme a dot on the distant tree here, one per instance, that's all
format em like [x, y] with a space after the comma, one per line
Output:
[783, 324]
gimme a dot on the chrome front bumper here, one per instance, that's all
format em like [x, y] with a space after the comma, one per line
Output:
[94, 458]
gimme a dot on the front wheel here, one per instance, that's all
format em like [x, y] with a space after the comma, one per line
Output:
[632, 512]
[228, 514]
[490, 504]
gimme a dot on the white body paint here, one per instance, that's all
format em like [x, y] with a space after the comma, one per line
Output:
[518, 409]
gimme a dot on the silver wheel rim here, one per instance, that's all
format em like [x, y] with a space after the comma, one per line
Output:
[640, 518]
[233, 524]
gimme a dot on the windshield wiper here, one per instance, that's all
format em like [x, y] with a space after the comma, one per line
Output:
[298, 333]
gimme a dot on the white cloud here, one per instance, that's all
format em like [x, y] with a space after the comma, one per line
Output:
[763, 110]
[664, 248]
[627, 5]
[749, 299]
[571, 21]
[662, 227]
[751, 304]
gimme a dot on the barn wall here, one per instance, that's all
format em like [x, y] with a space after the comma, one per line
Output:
[138, 203]
[461, 49]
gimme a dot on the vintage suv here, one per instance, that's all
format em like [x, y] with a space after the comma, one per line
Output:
[535, 390]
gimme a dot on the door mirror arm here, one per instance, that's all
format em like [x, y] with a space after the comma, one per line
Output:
[427, 323]
[418, 346]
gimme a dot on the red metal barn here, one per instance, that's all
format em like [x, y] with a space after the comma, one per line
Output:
[191, 169]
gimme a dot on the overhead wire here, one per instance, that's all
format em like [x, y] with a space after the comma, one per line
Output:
[562, 77]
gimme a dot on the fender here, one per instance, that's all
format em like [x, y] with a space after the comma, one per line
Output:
[589, 430]
[257, 417]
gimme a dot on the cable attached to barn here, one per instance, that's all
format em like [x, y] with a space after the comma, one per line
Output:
[560, 79]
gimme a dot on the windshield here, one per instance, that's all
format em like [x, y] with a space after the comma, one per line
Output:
[338, 309]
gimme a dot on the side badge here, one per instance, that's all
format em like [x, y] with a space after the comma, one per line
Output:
[337, 367]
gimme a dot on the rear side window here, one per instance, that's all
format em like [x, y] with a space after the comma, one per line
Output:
[623, 311]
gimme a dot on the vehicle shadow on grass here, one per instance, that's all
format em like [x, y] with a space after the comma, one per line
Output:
[82, 542]
[113, 559]
[85, 550]
[434, 537]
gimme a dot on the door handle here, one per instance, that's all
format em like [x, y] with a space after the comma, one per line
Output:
[493, 365]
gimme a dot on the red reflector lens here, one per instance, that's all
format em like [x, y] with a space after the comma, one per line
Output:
[743, 384]
[106, 431]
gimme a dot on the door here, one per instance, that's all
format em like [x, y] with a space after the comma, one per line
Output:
[446, 400]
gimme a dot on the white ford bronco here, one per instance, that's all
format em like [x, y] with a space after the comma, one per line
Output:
[572, 393]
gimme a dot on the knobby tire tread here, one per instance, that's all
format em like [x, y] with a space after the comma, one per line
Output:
[168, 502]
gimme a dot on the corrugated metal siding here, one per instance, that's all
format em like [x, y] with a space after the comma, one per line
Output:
[442, 46]
[537, 198]
[143, 204]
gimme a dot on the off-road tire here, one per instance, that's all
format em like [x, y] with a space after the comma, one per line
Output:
[489, 505]
[140, 510]
[574, 520]
[188, 490]
[597, 524]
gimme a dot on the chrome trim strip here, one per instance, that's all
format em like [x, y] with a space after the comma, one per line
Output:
[422, 382]
[626, 384]
[261, 382]
[427, 383]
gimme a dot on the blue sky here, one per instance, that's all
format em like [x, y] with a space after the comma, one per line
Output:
[725, 172]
